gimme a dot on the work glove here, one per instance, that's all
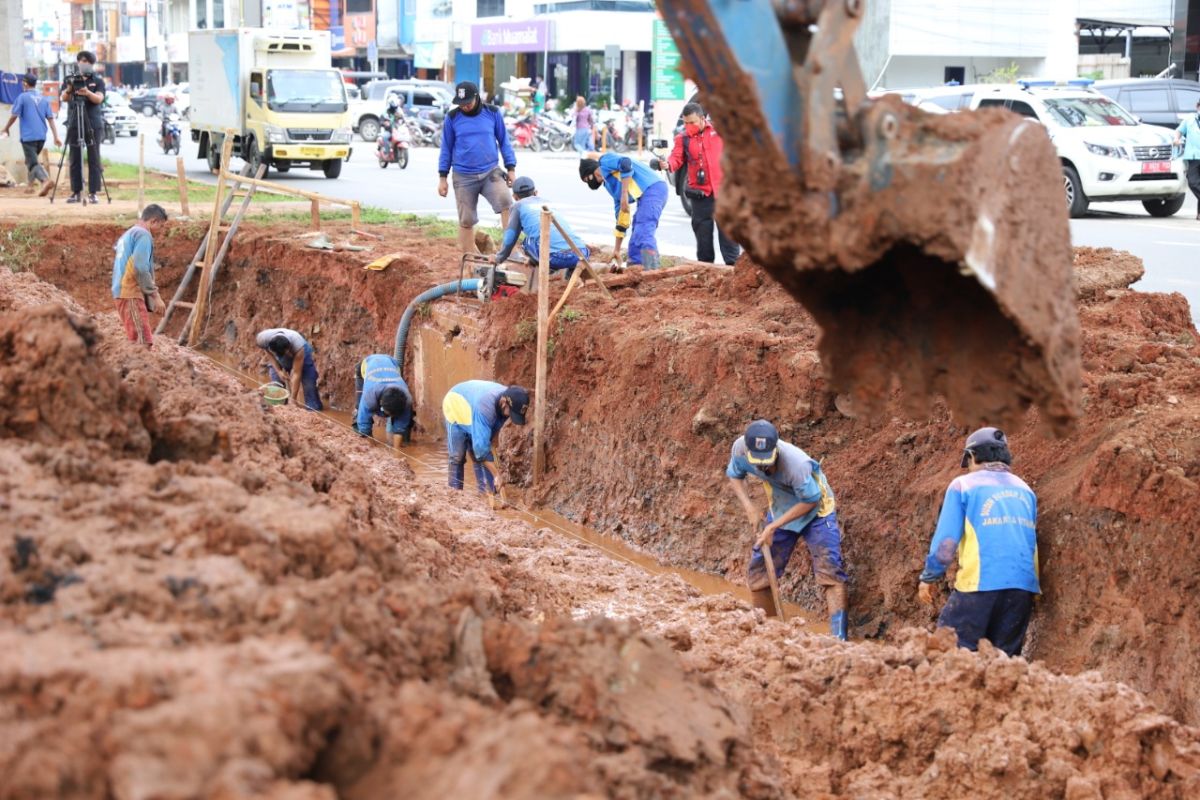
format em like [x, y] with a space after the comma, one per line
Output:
[623, 220]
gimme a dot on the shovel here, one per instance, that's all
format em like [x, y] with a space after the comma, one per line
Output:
[770, 562]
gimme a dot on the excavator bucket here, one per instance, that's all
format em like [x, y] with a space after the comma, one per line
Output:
[933, 250]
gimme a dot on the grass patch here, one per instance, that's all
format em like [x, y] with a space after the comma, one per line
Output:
[17, 246]
[569, 314]
[526, 330]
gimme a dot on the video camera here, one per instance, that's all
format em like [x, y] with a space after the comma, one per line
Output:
[76, 79]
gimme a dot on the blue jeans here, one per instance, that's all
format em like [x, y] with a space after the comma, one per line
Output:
[1001, 616]
[823, 538]
[458, 445]
[644, 234]
[561, 259]
[308, 378]
[583, 140]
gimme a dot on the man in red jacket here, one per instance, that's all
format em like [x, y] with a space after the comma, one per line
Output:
[699, 147]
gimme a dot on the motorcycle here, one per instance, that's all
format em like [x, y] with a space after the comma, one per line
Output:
[424, 131]
[524, 133]
[169, 136]
[392, 144]
[552, 134]
[110, 133]
[615, 141]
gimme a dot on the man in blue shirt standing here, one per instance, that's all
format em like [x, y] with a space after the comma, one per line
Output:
[33, 110]
[1188, 133]
[989, 521]
[629, 181]
[475, 411]
[800, 506]
[473, 136]
[527, 221]
[379, 391]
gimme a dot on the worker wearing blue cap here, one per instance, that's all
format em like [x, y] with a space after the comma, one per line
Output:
[989, 522]
[527, 222]
[475, 411]
[800, 506]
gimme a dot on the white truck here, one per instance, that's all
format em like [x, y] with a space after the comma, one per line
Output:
[276, 91]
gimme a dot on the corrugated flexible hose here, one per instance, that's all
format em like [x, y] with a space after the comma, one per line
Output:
[466, 285]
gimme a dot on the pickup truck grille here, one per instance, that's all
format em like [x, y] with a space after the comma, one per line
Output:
[1160, 152]
[309, 134]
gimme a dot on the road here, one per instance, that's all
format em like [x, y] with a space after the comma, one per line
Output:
[1169, 247]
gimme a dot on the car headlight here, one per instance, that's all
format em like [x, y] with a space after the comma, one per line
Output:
[275, 134]
[1106, 150]
[342, 136]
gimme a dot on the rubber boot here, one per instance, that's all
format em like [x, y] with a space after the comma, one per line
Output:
[650, 259]
[838, 626]
[761, 598]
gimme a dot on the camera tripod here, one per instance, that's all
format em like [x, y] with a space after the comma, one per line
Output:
[84, 137]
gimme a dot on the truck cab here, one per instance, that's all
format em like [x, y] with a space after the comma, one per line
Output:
[278, 94]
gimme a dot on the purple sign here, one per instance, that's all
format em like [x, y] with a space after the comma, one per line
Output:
[510, 37]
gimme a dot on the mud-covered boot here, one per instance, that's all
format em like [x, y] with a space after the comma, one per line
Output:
[761, 598]
[650, 259]
[838, 625]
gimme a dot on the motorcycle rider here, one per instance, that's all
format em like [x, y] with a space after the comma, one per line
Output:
[165, 134]
[393, 116]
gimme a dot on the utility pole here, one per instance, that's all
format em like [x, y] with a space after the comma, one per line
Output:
[12, 35]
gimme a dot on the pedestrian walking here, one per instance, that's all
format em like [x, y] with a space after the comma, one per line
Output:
[1188, 134]
[585, 120]
[989, 520]
[34, 112]
[292, 364]
[133, 288]
[698, 149]
[379, 391]
[475, 411]
[629, 181]
[473, 138]
[800, 507]
[526, 221]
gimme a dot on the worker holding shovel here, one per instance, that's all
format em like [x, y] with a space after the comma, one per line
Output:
[475, 411]
[801, 506]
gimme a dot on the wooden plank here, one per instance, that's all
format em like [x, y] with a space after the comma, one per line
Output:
[543, 337]
[586, 264]
[355, 217]
[141, 173]
[183, 197]
[316, 214]
[283, 188]
[201, 308]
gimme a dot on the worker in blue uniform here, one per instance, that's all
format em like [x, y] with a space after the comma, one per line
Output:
[630, 181]
[527, 222]
[475, 411]
[379, 391]
[800, 507]
[989, 521]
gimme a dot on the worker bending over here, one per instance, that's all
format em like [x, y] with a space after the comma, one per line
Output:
[800, 506]
[475, 411]
[527, 222]
[379, 391]
[292, 355]
[989, 520]
[629, 181]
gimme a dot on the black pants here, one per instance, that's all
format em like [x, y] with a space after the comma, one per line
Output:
[1001, 616]
[93, 159]
[1193, 176]
[703, 223]
[32, 150]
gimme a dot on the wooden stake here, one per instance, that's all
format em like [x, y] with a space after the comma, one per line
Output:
[770, 564]
[183, 198]
[201, 309]
[543, 340]
[586, 264]
[355, 217]
[316, 214]
[141, 173]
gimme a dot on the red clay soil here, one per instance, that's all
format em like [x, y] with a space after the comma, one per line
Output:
[646, 398]
[207, 597]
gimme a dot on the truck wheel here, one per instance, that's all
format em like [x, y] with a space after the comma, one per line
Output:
[333, 168]
[1077, 201]
[368, 129]
[282, 166]
[213, 155]
[1164, 208]
[253, 156]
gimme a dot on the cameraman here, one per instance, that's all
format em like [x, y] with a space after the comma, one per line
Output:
[88, 86]
[700, 147]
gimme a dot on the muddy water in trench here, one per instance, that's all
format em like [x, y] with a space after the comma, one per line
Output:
[430, 463]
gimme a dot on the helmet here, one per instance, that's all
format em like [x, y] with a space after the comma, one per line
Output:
[169, 99]
[393, 102]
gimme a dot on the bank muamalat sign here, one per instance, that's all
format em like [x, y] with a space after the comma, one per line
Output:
[510, 37]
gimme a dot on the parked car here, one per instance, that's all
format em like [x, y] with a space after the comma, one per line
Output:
[146, 101]
[124, 120]
[1106, 153]
[417, 96]
[1155, 101]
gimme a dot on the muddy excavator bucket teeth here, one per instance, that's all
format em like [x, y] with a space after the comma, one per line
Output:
[932, 250]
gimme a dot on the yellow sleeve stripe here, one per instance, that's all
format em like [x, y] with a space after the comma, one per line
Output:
[968, 560]
[456, 409]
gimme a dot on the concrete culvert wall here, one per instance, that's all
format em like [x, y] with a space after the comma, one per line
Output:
[303, 616]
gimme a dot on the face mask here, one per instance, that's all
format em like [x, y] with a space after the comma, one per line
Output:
[692, 128]
[86, 68]
[593, 183]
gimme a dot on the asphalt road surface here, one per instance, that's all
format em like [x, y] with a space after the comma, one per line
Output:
[1169, 247]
